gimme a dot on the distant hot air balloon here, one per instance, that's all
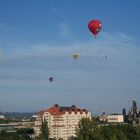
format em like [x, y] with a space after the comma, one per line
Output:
[75, 56]
[95, 26]
[106, 56]
[51, 79]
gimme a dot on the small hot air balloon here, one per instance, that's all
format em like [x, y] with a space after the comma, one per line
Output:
[95, 26]
[51, 79]
[75, 56]
[106, 56]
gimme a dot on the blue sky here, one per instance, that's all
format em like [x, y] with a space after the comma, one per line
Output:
[38, 39]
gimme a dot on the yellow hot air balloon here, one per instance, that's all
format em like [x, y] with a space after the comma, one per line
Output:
[75, 56]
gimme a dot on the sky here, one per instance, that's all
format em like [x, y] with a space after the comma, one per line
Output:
[38, 39]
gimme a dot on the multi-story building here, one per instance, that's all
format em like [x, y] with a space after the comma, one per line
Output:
[62, 121]
[115, 118]
[38, 123]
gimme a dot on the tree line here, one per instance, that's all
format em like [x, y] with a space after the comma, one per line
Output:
[87, 130]
[90, 130]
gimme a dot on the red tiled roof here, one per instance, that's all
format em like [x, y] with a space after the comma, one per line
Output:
[57, 111]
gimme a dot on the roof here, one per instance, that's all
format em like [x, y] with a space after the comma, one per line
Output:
[57, 110]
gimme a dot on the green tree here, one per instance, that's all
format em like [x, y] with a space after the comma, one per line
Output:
[114, 137]
[21, 134]
[87, 130]
[44, 130]
[25, 133]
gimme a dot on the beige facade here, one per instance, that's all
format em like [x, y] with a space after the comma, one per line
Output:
[38, 123]
[62, 121]
[115, 118]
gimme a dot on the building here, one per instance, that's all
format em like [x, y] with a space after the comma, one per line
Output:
[115, 118]
[34, 116]
[134, 109]
[38, 123]
[2, 117]
[62, 121]
[103, 117]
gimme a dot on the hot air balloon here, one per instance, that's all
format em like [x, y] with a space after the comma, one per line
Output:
[95, 26]
[75, 56]
[51, 79]
[106, 56]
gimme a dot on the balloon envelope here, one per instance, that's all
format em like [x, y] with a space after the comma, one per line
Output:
[106, 56]
[95, 26]
[51, 79]
[75, 56]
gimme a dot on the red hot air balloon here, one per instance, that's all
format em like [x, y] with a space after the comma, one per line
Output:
[95, 26]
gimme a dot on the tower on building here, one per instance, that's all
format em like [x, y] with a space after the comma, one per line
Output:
[134, 109]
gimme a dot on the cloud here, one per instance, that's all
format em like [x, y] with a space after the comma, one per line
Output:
[5, 27]
[89, 52]
[64, 30]
[37, 62]
[2, 55]
[64, 24]
[59, 15]
[92, 78]
[104, 44]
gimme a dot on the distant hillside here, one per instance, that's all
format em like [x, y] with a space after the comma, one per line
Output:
[18, 114]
